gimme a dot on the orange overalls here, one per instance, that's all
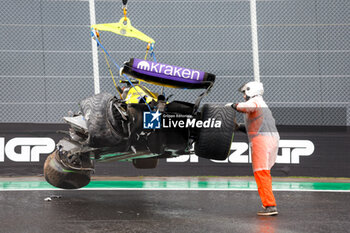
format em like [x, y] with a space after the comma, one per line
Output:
[263, 137]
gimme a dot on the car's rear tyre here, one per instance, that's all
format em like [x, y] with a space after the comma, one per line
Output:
[215, 143]
[104, 129]
[147, 163]
[64, 177]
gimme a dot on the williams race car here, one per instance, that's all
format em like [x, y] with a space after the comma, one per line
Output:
[139, 125]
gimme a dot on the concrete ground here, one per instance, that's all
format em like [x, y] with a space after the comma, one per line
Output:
[171, 209]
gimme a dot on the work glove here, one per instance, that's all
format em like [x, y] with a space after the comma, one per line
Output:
[232, 105]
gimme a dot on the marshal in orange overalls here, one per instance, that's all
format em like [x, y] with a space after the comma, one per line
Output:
[263, 137]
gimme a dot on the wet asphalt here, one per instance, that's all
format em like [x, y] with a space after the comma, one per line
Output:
[171, 211]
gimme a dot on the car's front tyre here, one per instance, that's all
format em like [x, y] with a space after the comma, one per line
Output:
[61, 176]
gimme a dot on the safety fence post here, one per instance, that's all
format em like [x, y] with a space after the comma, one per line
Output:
[94, 49]
[255, 47]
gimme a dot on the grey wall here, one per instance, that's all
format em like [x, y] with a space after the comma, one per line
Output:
[304, 49]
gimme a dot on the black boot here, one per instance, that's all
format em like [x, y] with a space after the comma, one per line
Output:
[268, 211]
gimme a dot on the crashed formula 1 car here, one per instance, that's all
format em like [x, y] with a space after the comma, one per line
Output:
[139, 125]
[111, 128]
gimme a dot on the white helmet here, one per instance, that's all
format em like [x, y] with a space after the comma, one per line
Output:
[252, 89]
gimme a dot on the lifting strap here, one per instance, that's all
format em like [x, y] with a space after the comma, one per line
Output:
[109, 67]
[94, 35]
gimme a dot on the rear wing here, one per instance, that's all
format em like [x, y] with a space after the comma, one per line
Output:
[167, 75]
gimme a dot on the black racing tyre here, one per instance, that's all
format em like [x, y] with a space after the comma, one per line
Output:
[215, 143]
[147, 163]
[64, 177]
[96, 111]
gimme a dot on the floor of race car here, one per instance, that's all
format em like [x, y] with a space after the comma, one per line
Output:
[173, 205]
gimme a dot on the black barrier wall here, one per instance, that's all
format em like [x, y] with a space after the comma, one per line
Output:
[304, 151]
